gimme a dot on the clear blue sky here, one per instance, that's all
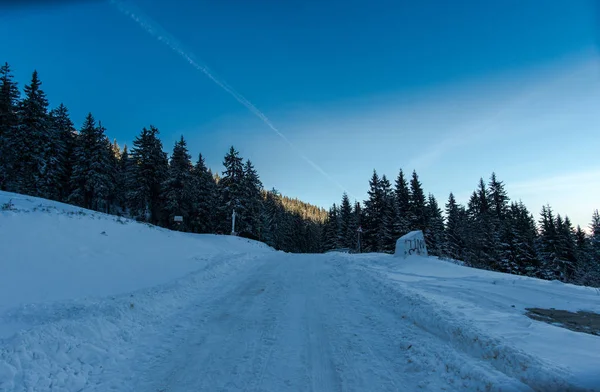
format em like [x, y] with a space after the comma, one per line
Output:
[455, 90]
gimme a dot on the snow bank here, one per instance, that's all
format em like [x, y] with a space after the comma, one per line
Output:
[56, 252]
[483, 314]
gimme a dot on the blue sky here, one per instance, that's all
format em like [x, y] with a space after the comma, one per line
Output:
[455, 90]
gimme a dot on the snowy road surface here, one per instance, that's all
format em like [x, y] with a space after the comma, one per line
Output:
[294, 323]
[102, 304]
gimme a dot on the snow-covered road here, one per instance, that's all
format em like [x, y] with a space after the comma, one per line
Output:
[295, 323]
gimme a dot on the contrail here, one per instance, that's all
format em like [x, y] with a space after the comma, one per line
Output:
[154, 29]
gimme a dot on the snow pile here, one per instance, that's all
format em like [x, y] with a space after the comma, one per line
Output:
[482, 313]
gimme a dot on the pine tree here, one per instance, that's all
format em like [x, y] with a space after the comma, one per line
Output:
[231, 189]
[403, 217]
[373, 216]
[519, 255]
[272, 218]
[92, 181]
[32, 140]
[566, 248]
[357, 217]
[346, 236]
[595, 248]
[434, 233]
[178, 188]
[483, 243]
[332, 229]
[547, 245]
[585, 273]
[252, 201]
[205, 198]
[150, 171]
[418, 208]
[388, 215]
[60, 166]
[453, 233]
[9, 102]
[498, 198]
[124, 178]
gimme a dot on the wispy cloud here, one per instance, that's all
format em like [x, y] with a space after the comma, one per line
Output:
[154, 29]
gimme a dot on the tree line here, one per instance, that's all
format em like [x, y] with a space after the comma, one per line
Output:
[42, 154]
[491, 232]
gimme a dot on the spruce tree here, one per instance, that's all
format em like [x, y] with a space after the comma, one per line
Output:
[595, 247]
[547, 245]
[388, 214]
[402, 221]
[150, 170]
[585, 271]
[231, 188]
[124, 178]
[332, 229]
[9, 103]
[272, 218]
[178, 188]
[205, 198]
[32, 140]
[418, 208]
[60, 167]
[252, 201]
[434, 233]
[92, 181]
[498, 198]
[454, 245]
[373, 216]
[357, 217]
[346, 235]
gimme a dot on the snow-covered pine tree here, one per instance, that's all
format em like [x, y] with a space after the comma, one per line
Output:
[402, 221]
[32, 140]
[595, 247]
[547, 245]
[331, 229]
[483, 241]
[434, 233]
[9, 103]
[178, 188]
[417, 204]
[519, 254]
[500, 233]
[252, 200]
[150, 170]
[566, 248]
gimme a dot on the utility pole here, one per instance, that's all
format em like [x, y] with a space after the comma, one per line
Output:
[233, 223]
